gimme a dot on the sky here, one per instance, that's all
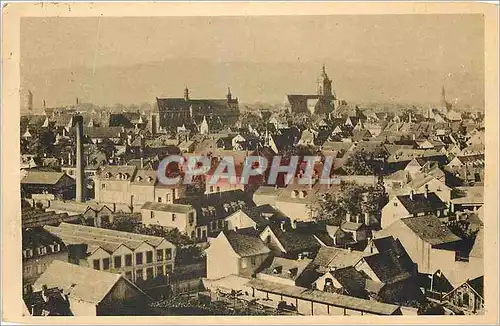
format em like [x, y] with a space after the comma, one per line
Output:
[384, 58]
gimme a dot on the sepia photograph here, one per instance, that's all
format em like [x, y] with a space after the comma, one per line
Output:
[324, 164]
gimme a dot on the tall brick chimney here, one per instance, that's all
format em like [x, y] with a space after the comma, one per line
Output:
[80, 164]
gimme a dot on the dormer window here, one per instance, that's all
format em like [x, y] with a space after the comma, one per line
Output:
[108, 175]
[277, 269]
[295, 194]
[28, 253]
[118, 176]
[138, 179]
[55, 247]
[125, 176]
[42, 250]
[303, 194]
[150, 179]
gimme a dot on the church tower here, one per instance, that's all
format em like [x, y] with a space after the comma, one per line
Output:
[186, 94]
[324, 84]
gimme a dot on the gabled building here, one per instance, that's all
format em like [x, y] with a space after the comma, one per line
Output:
[58, 184]
[412, 205]
[432, 246]
[468, 296]
[87, 292]
[140, 258]
[289, 243]
[243, 255]
[39, 249]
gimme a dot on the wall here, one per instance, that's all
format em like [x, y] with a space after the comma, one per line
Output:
[247, 268]
[391, 213]
[239, 220]
[296, 211]
[276, 279]
[116, 191]
[142, 193]
[220, 247]
[165, 219]
[34, 267]
[81, 308]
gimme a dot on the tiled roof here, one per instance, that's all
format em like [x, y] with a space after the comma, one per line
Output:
[245, 245]
[217, 206]
[33, 238]
[108, 240]
[174, 208]
[42, 177]
[287, 268]
[334, 299]
[478, 285]
[329, 258]
[294, 240]
[352, 281]
[421, 204]
[351, 226]
[430, 229]
[32, 218]
[78, 282]
[387, 267]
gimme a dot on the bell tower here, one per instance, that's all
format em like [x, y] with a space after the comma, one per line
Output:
[324, 84]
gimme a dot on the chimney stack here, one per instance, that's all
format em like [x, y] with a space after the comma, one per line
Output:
[411, 195]
[80, 176]
[367, 218]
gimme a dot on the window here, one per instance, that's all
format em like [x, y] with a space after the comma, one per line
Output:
[152, 214]
[253, 260]
[128, 275]
[211, 188]
[168, 253]
[159, 255]
[105, 264]
[97, 264]
[138, 274]
[28, 253]
[395, 204]
[149, 273]
[220, 224]
[103, 186]
[167, 196]
[218, 189]
[149, 257]
[28, 269]
[138, 258]
[56, 247]
[42, 250]
[40, 268]
[191, 218]
[169, 269]
[159, 199]
[213, 225]
[117, 261]
[173, 217]
[159, 270]
[128, 260]
[173, 194]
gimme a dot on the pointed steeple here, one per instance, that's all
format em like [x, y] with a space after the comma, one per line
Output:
[229, 96]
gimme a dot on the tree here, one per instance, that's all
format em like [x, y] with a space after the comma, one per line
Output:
[353, 199]
[359, 163]
[330, 209]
